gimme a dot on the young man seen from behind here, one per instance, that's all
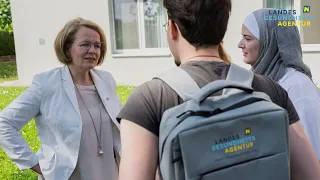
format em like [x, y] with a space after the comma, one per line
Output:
[194, 30]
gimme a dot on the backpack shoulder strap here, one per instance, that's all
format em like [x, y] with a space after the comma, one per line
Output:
[238, 74]
[180, 81]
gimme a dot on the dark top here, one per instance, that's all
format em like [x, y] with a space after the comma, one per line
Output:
[148, 102]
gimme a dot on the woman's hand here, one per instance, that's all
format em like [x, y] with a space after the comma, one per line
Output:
[36, 169]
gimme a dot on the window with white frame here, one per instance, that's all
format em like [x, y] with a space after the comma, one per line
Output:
[309, 35]
[138, 26]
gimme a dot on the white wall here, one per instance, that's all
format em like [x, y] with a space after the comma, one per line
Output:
[34, 19]
[313, 61]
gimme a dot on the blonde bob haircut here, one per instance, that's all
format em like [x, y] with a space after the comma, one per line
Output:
[66, 37]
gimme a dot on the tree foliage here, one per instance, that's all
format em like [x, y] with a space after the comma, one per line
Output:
[5, 16]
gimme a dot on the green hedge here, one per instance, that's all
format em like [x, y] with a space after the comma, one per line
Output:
[7, 43]
[5, 15]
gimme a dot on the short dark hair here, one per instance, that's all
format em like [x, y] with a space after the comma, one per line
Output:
[203, 23]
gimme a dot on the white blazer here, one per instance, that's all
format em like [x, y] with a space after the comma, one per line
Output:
[52, 101]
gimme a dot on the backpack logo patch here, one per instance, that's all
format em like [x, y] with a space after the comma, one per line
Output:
[235, 143]
[248, 131]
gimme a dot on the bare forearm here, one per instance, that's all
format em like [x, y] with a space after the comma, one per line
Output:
[139, 155]
[304, 163]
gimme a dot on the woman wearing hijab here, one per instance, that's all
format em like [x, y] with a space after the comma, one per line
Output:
[275, 51]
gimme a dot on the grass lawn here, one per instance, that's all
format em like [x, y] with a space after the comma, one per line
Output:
[8, 71]
[8, 171]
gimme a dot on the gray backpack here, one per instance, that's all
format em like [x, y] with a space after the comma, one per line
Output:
[240, 135]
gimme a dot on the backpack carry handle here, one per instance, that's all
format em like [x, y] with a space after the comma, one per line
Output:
[218, 85]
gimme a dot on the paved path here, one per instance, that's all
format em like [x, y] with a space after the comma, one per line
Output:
[13, 83]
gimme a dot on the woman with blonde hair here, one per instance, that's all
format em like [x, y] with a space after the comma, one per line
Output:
[74, 108]
[223, 54]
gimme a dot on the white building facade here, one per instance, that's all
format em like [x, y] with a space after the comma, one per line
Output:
[136, 39]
